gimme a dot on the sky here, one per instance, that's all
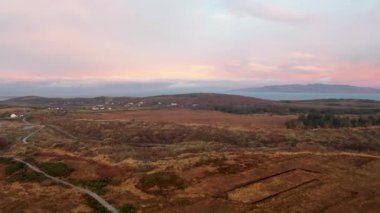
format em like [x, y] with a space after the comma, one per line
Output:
[188, 44]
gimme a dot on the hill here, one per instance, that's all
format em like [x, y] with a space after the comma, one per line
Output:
[195, 100]
[312, 88]
[203, 101]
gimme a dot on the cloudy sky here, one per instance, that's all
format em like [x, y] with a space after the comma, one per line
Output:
[261, 42]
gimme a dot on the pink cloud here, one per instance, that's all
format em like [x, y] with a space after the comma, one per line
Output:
[141, 40]
[267, 11]
[362, 73]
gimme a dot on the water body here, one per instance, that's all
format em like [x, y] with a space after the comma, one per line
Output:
[277, 96]
[307, 96]
[4, 98]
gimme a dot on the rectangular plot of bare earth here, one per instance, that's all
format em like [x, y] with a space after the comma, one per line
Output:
[272, 186]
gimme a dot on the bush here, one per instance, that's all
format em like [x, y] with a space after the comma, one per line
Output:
[127, 208]
[165, 181]
[56, 169]
[19, 172]
[95, 205]
[5, 115]
[288, 107]
[250, 109]
[97, 186]
[29, 176]
[13, 168]
[320, 120]
[5, 160]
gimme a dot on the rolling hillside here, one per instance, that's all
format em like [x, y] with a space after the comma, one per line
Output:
[196, 100]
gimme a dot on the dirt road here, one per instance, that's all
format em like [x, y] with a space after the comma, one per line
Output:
[103, 202]
[82, 190]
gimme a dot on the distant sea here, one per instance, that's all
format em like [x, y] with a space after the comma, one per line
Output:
[307, 96]
[4, 98]
[278, 96]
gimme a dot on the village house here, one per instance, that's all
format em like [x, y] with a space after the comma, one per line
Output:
[98, 107]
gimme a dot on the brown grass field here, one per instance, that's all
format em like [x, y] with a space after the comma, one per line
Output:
[190, 161]
[193, 117]
[14, 109]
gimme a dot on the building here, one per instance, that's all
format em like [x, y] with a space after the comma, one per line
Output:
[13, 116]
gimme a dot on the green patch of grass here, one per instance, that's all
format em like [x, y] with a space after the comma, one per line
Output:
[95, 205]
[13, 168]
[5, 160]
[165, 181]
[29, 176]
[17, 171]
[5, 116]
[98, 186]
[127, 208]
[56, 169]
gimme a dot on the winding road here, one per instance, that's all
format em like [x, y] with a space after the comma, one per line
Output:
[25, 139]
[103, 202]
[112, 209]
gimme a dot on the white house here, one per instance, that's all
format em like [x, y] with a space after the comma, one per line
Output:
[13, 115]
[139, 104]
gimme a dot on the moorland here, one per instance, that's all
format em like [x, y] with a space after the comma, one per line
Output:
[189, 153]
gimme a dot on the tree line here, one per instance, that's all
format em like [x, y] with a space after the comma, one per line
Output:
[283, 109]
[320, 120]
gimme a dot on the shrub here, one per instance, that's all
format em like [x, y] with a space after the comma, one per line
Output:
[5, 160]
[165, 181]
[29, 176]
[97, 186]
[321, 120]
[95, 205]
[231, 169]
[14, 167]
[56, 169]
[19, 172]
[127, 208]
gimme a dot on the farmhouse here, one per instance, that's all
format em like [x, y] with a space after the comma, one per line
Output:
[98, 107]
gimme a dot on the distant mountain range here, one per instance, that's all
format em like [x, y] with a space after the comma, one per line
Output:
[312, 88]
[194, 100]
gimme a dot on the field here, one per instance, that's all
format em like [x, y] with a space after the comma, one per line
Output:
[185, 160]
[13, 109]
[192, 117]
